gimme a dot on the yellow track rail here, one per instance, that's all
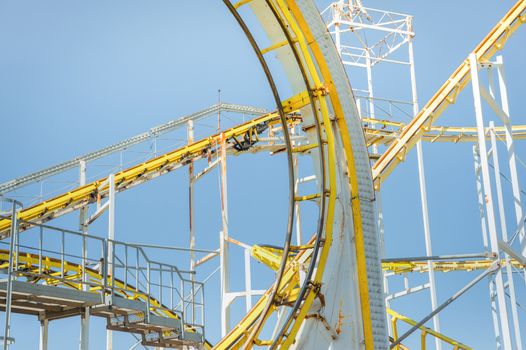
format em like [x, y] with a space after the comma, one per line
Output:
[447, 94]
[445, 266]
[140, 173]
[318, 70]
[353, 184]
[271, 257]
[390, 131]
[425, 331]
[52, 272]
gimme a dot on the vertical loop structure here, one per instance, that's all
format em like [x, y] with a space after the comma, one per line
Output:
[312, 63]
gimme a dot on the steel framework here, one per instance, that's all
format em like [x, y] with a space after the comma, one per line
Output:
[329, 289]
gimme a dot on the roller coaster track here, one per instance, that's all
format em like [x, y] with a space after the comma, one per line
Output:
[62, 274]
[331, 109]
[69, 201]
[124, 144]
[445, 266]
[327, 103]
[447, 94]
[389, 131]
[271, 256]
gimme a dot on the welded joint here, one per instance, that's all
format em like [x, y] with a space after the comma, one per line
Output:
[320, 91]
[319, 317]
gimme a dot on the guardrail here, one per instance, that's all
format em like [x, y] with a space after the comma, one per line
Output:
[71, 259]
[425, 331]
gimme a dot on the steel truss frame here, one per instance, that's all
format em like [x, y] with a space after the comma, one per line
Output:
[491, 211]
[393, 33]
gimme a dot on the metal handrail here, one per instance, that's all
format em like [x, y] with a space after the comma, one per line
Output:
[151, 276]
[425, 331]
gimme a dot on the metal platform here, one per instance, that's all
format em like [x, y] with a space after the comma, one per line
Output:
[52, 303]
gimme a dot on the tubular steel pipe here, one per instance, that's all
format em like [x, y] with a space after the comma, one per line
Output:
[321, 217]
[290, 163]
[439, 257]
[442, 306]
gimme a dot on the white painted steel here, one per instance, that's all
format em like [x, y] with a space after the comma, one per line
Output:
[490, 212]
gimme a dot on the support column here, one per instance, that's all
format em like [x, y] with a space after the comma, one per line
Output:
[337, 37]
[423, 199]
[490, 212]
[190, 134]
[483, 226]
[504, 231]
[12, 266]
[223, 244]
[83, 215]
[44, 325]
[519, 213]
[111, 237]
[248, 281]
[84, 329]
[379, 209]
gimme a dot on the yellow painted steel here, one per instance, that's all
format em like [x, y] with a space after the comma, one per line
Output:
[293, 20]
[447, 94]
[351, 171]
[268, 256]
[331, 161]
[241, 3]
[69, 275]
[395, 316]
[272, 257]
[390, 131]
[320, 75]
[236, 337]
[308, 197]
[274, 47]
[445, 266]
[83, 195]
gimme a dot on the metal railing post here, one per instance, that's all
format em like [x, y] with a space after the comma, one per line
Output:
[148, 290]
[10, 271]
[183, 309]
[171, 287]
[104, 268]
[40, 244]
[62, 247]
[160, 284]
[112, 270]
[126, 266]
[137, 275]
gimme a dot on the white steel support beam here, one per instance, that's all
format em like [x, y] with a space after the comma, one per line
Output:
[504, 231]
[297, 208]
[190, 134]
[84, 329]
[512, 159]
[223, 244]
[490, 212]
[83, 215]
[248, 281]
[423, 199]
[484, 230]
[43, 340]
[337, 35]
[190, 130]
[372, 113]
[111, 236]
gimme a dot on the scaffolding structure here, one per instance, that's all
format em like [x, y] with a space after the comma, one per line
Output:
[366, 38]
[329, 273]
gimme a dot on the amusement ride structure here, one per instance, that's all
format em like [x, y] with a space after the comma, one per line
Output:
[332, 285]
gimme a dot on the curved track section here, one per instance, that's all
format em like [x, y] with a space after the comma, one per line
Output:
[343, 285]
[337, 302]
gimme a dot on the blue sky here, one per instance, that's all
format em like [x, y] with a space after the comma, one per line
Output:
[77, 76]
